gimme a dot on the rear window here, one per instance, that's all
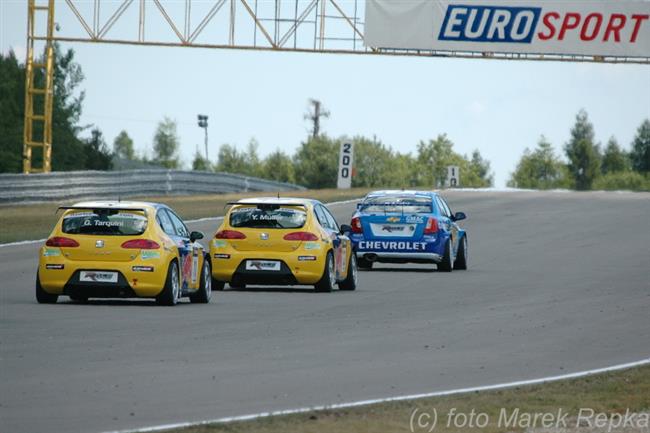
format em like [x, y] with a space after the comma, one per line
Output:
[280, 218]
[397, 203]
[104, 223]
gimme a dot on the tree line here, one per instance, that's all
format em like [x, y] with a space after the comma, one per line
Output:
[315, 163]
[587, 166]
[71, 152]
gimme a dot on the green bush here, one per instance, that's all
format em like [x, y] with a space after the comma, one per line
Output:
[628, 180]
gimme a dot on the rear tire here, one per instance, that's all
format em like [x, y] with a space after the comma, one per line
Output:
[203, 295]
[218, 285]
[363, 263]
[461, 257]
[171, 292]
[446, 265]
[350, 282]
[42, 297]
[326, 283]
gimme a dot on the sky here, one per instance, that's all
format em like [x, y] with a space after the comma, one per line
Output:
[496, 106]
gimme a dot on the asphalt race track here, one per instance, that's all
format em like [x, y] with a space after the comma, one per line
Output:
[558, 282]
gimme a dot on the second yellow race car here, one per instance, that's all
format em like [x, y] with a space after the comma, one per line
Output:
[122, 249]
[282, 241]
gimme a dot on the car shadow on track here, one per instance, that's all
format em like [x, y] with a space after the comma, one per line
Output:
[424, 270]
[116, 302]
[279, 289]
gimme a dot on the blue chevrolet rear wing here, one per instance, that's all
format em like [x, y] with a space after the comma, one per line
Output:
[362, 206]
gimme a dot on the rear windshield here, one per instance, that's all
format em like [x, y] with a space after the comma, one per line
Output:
[397, 203]
[281, 218]
[103, 223]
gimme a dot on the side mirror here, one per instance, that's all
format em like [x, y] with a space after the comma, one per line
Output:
[345, 229]
[359, 206]
[459, 216]
[195, 236]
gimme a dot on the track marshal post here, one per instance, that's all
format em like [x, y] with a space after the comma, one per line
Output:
[453, 176]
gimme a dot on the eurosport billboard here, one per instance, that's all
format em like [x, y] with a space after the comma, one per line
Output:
[574, 27]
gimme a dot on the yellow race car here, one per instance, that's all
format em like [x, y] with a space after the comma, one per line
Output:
[122, 249]
[282, 241]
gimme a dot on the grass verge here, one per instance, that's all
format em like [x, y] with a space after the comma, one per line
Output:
[610, 394]
[35, 221]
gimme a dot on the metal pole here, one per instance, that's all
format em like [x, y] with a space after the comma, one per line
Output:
[206, 143]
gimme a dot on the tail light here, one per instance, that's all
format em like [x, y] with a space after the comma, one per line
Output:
[432, 227]
[59, 241]
[229, 234]
[141, 244]
[356, 225]
[300, 236]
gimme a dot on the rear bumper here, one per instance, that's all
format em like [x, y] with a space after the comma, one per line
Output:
[131, 283]
[283, 277]
[428, 249]
[229, 265]
[384, 257]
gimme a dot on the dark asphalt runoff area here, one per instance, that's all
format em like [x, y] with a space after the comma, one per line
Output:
[557, 282]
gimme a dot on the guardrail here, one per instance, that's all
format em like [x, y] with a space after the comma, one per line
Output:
[75, 185]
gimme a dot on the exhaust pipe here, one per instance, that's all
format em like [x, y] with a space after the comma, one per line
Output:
[371, 257]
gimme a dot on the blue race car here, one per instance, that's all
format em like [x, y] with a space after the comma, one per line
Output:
[408, 227]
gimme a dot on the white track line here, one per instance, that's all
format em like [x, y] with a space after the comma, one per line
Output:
[13, 244]
[352, 404]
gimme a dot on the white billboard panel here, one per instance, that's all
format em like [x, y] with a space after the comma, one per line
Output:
[572, 27]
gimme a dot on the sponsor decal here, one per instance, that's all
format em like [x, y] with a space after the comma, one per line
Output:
[79, 215]
[98, 277]
[414, 219]
[142, 268]
[489, 23]
[222, 256]
[195, 264]
[306, 258]
[51, 252]
[392, 245]
[262, 265]
[146, 255]
[219, 243]
[312, 245]
[391, 229]
[187, 267]
[52, 266]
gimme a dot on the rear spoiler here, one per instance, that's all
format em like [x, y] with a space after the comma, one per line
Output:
[100, 208]
[385, 205]
[262, 205]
